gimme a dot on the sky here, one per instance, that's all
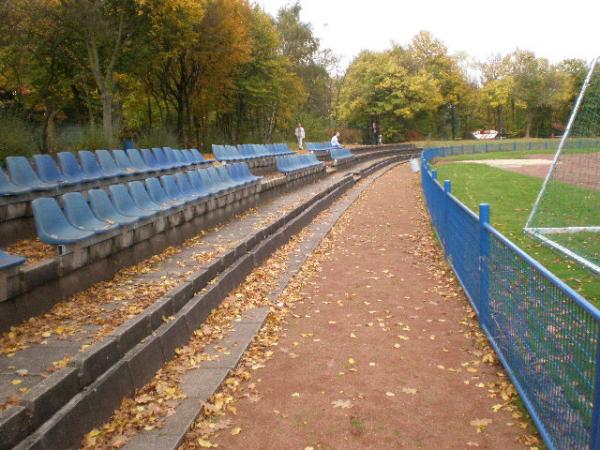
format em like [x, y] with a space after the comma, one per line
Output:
[552, 29]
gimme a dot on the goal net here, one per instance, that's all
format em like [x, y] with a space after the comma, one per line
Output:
[566, 214]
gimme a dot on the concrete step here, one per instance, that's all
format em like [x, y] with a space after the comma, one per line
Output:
[202, 383]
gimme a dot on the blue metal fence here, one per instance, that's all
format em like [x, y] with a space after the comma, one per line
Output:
[545, 334]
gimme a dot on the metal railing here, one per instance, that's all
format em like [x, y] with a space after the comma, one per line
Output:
[545, 333]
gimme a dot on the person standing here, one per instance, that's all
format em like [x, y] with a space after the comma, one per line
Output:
[375, 133]
[300, 135]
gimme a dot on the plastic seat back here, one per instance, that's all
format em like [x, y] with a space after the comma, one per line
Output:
[52, 226]
[123, 161]
[140, 196]
[216, 180]
[47, 169]
[22, 174]
[180, 158]
[7, 187]
[232, 170]
[197, 183]
[209, 183]
[90, 165]
[171, 187]
[171, 157]
[125, 204]
[80, 215]
[188, 157]
[103, 208]
[70, 168]
[161, 158]
[108, 164]
[137, 161]
[156, 191]
[184, 185]
[198, 158]
[150, 159]
[223, 174]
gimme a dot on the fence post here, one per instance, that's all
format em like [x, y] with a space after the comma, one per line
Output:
[484, 273]
[514, 146]
[447, 191]
[595, 438]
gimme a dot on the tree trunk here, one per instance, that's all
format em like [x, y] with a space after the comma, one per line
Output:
[49, 133]
[529, 123]
[107, 118]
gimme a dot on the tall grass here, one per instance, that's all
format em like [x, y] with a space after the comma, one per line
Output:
[17, 137]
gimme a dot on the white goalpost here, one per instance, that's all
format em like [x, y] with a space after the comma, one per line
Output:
[566, 213]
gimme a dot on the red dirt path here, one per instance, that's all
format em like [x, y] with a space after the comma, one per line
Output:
[383, 352]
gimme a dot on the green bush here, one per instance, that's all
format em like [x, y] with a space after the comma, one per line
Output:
[17, 137]
[80, 137]
[157, 137]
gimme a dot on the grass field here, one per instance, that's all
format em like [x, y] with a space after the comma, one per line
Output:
[511, 196]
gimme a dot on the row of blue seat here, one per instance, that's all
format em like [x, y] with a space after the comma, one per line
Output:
[91, 166]
[125, 205]
[340, 153]
[292, 163]
[319, 147]
[244, 152]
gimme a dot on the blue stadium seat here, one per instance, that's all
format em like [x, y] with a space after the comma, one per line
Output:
[150, 159]
[172, 157]
[8, 261]
[187, 155]
[224, 176]
[162, 159]
[235, 174]
[216, 180]
[159, 196]
[48, 171]
[71, 169]
[183, 158]
[7, 187]
[108, 164]
[186, 188]
[80, 215]
[198, 158]
[172, 189]
[246, 171]
[90, 166]
[142, 199]
[242, 173]
[138, 161]
[104, 209]
[208, 182]
[124, 163]
[52, 226]
[198, 184]
[22, 174]
[125, 204]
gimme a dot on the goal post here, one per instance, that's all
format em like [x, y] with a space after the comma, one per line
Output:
[566, 213]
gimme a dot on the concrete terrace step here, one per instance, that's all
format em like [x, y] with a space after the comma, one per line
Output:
[98, 365]
[201, 383]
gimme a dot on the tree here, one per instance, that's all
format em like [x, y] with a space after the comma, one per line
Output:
[103, 34]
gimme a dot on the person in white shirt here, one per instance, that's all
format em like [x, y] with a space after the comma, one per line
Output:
[335, 140]
[300, 135]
